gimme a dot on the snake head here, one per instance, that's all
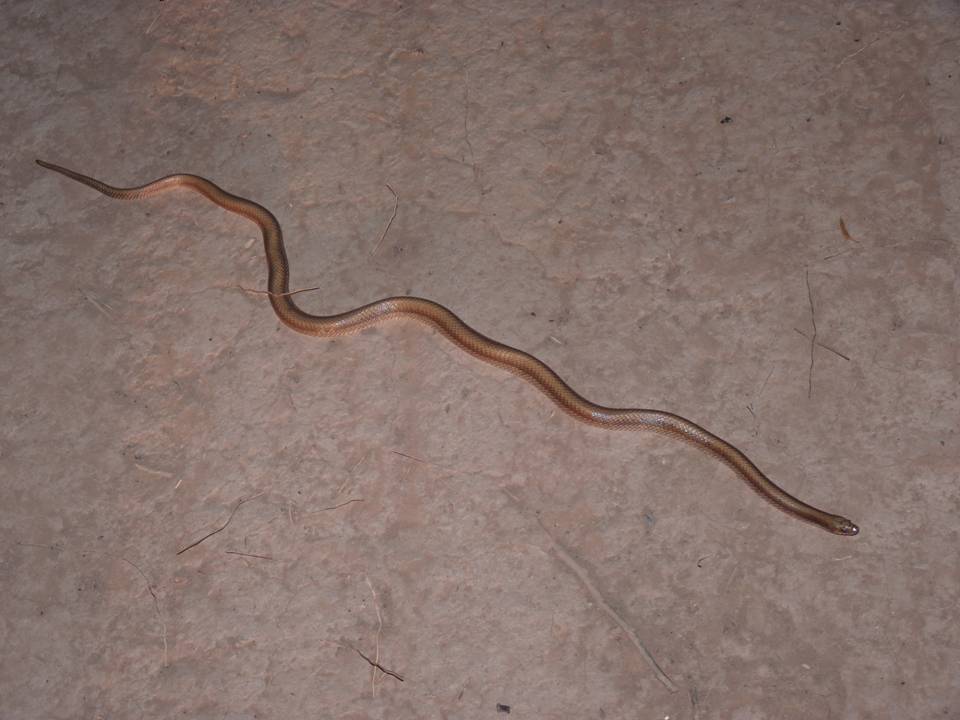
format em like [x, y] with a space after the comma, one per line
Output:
[841, 526]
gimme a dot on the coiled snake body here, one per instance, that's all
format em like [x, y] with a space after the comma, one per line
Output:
[452, 327]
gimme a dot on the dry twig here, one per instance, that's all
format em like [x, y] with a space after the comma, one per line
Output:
[813, 338]
[854, 54]
[103, 308]
[156, 607]
[376, 663]
[152, 471]
[150, 27]
[350, 474]
[250, 555]
[820, 344]
[373, 663]
[340, 505]
[221, 528]
[396, 204]
[582, 576]
[600, 601]
[411, 457]
[378, 666]
[254, 291]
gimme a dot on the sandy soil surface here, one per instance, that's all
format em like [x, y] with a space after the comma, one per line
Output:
[206, 515]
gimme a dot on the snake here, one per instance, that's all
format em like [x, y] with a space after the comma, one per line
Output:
[518, 362]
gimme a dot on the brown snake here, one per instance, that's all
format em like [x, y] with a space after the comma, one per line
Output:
[468, 339]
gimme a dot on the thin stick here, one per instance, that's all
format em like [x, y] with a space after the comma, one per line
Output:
[825, 347]
[153, 471]
[243, 554]
[813, 338]
[396, 204]
[410, 457]
[415, 459]
[105, 309]
[156, 607]
[340, 505]
[837, 254]
[153, 23]
[854, 54]
[219, 529]
[764, 386]
[466, 126]
[376, 606]
[377, 665]
[254, 291]
[349, 479]
[582, 576]
[597, 596]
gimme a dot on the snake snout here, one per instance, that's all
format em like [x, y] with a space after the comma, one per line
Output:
[842, 526]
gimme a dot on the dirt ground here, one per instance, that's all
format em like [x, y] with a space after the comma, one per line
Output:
[204, 514]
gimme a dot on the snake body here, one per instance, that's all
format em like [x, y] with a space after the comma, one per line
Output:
[463, 336]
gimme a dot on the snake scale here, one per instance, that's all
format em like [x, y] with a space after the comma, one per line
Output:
[463, 336]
